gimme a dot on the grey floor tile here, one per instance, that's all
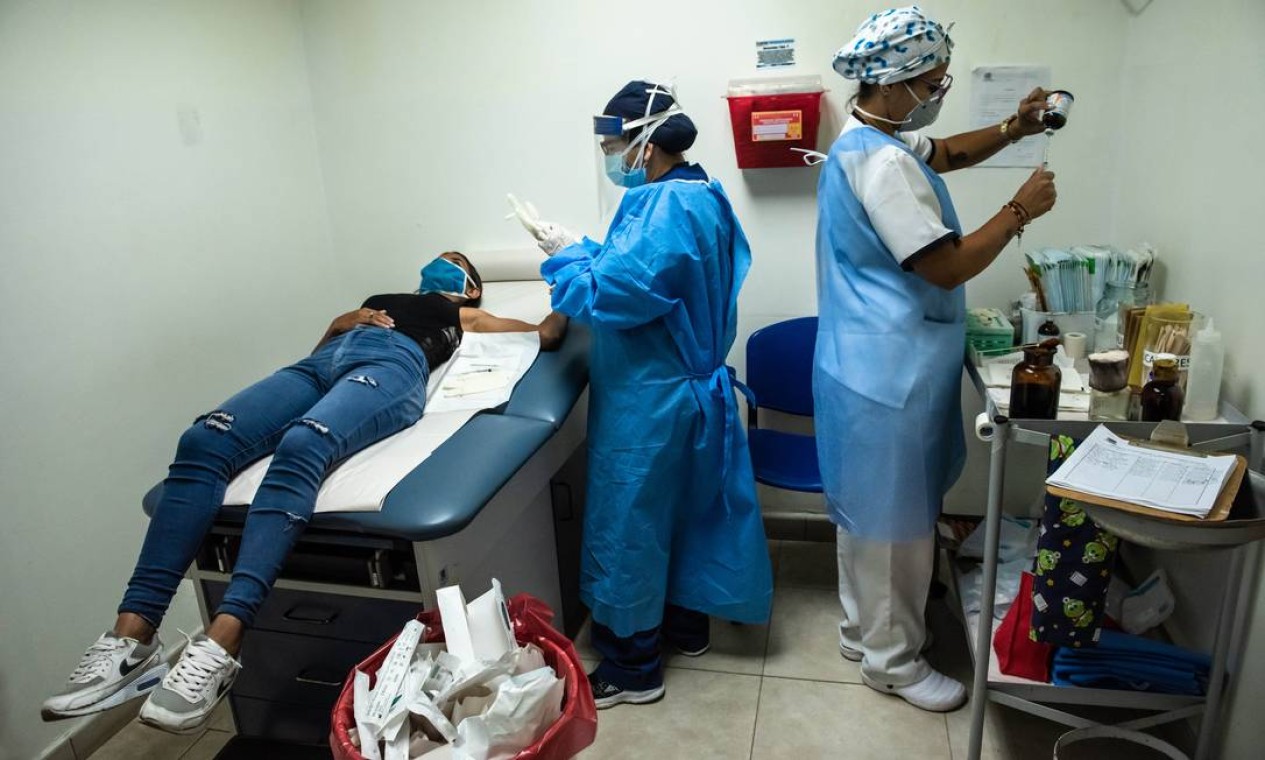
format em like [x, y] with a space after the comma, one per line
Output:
[735, 649]
[583, 644]
[811, 719]
[804, 637]
[704, 715]
[808, 563]
[208, 746]
[1007, 734]
[949, 653]
[775, 555]
[140, 742]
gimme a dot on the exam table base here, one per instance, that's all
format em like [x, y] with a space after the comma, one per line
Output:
[246, 748]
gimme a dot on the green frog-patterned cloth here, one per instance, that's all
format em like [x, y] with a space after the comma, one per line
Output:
[1072, 568]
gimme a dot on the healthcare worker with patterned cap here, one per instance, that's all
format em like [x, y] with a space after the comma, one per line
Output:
[672, 530]
[891, 264]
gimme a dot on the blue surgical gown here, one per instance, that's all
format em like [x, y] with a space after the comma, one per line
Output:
[888, 362]
[672, 515]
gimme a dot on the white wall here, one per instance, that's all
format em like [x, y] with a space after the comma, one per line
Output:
[1190, 106]
[148, 273]
[428, 113]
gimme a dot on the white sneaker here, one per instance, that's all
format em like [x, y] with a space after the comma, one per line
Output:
[112, 671]
[193, 688]
[850, 654]
[856, 655]
[935, 693]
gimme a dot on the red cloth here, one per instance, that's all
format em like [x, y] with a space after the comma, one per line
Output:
[1017, 654]
[532, 621]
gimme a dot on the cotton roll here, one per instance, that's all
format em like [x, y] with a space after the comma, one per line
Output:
[984, 428]
[1074, 343]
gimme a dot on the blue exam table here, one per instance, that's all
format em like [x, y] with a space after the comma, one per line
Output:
[501, 498]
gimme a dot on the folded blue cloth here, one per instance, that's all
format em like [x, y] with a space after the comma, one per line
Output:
[1122, 661]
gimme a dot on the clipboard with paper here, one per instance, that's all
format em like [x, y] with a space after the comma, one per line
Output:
[1157, 478]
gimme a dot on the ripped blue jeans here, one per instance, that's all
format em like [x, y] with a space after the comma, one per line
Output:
[356, 389]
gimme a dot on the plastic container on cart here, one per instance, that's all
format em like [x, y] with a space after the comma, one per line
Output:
[771, 116]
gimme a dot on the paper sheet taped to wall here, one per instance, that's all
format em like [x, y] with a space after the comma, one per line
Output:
[995, 95]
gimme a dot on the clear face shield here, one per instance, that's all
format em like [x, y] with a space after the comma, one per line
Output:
[620, 161]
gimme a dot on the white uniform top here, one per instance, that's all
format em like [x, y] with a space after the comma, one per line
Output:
[894, 190]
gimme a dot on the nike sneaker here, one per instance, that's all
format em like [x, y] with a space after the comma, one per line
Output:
[112, 671]
[197, 683]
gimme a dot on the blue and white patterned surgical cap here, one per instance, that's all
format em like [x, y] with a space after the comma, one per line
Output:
[894, 45]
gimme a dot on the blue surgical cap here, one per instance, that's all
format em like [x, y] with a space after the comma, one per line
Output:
[675, 135]
[895, 45]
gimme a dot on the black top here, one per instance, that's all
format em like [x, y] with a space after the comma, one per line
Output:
[432, 321]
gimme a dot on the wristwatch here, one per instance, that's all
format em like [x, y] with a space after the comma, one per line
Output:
[1005, 130]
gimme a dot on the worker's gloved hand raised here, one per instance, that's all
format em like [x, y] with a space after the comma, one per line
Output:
[1037, 194]
[549, 236]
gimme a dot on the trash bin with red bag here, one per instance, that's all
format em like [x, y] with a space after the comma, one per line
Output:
[532, 618]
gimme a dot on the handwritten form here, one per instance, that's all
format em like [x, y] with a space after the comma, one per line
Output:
[995, 95]
[1107, 465]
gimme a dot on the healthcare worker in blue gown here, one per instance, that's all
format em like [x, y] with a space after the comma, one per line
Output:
[672, 530]
[891, 263]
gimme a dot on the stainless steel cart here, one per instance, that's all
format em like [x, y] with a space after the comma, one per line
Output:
[1233, 431]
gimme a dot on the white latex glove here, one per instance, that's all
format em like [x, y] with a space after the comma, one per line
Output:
[555, 238]
[549, 236]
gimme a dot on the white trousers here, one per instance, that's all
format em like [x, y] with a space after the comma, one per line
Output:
[883, 588]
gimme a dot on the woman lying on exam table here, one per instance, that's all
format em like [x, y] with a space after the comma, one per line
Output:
[365, 380]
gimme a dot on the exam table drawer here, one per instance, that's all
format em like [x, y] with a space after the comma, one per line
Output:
[297, 724]
[334, 616]
[300, 670]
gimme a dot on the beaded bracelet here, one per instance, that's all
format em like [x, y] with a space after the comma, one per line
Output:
[1021, 214]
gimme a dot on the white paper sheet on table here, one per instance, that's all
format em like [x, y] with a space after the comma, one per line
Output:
[1107, 465]
[362, 482]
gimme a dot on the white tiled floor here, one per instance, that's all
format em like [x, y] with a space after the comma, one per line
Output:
[762, 693]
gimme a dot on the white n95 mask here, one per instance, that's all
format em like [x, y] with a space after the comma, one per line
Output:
[923, 114]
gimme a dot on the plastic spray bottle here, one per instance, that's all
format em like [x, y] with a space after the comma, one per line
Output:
[1203, 384]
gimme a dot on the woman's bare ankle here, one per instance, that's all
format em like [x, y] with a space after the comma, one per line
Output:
[227, 631]
[129, 625]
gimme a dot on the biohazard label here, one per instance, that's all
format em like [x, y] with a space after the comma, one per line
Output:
[772, 126]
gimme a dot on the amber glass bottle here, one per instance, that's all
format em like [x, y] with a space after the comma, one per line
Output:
[1162, 398]
[1035, 383]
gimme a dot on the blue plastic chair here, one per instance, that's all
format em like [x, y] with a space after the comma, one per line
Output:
[780, 377]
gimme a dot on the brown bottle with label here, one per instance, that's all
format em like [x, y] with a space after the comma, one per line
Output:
[1163, 398]
[1035, 383]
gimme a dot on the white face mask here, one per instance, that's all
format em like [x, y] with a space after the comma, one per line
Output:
[923, 114]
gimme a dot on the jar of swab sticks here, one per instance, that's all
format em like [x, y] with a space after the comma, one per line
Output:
[1171, 334]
